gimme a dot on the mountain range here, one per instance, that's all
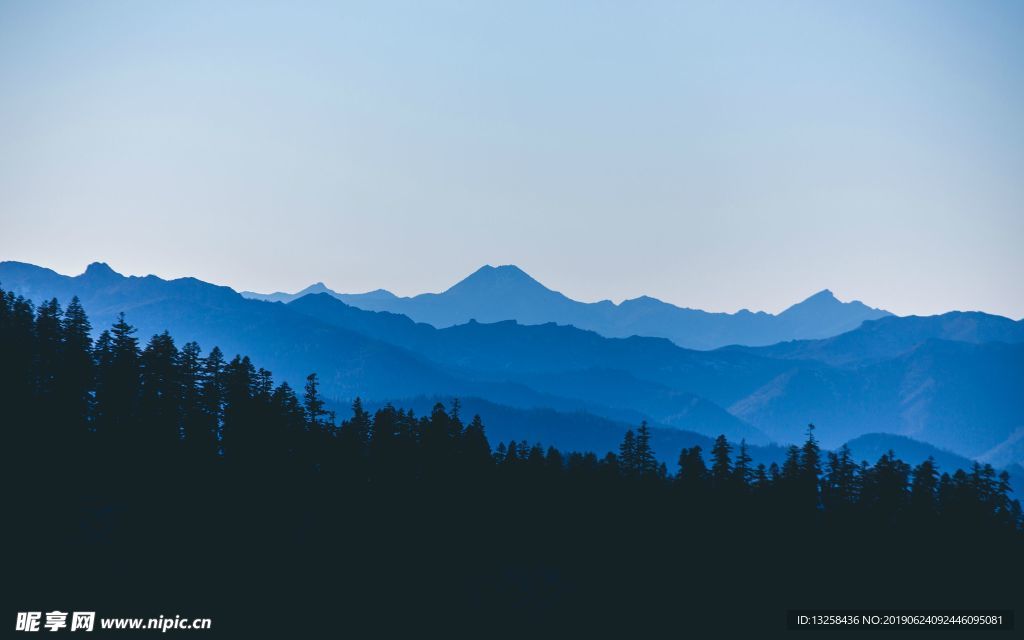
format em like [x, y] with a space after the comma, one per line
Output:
[951, 380]
[493, 294]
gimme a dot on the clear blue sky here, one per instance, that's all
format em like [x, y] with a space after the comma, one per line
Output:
[716, 155]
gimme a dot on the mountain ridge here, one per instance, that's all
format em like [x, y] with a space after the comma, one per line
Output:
[917, 377]
[291, 344]
[506, 292]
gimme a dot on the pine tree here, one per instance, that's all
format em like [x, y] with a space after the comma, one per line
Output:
[554, 461]
[886, 487]
[761, 480]
[160, 393]
[353, 443]
[190, 373]
[810, 458]
[455, 420]
[212, 394]
[791, 465]
[742, 472]
[924, 489]
[1007, 509]
[293, 421]
[983, 484]
[628, 454]
[17, 330]
[77, 373]
[117, 387]
[721, 463]
[693, 473]
[536, 460]
[475, 446]
[359, 426]
[313, 403]
[500, 454]
[839, 486]
[47, 348]
[646, 463]
[264, 385]
[240, 411]
[511, 456]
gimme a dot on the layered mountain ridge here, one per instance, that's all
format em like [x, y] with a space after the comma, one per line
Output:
[493, 294]
[950, 380]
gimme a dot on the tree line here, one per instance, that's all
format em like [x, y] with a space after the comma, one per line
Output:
[158, 401]
[113, 426]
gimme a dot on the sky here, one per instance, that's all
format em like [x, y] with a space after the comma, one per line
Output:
[716, 155]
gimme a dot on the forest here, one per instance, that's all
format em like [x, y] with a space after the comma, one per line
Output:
[143, 471]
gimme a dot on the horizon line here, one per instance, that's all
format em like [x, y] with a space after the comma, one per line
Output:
[243, 291]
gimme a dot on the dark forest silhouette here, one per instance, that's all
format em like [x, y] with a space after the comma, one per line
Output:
[155, 467]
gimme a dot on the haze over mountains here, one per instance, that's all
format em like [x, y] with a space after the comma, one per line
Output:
[492, 294]
[952, 380]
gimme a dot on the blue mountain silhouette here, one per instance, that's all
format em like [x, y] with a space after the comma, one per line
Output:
[952, 380]
[350, 362]
[493, 294]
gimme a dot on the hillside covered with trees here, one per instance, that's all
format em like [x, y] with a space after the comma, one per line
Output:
[147, 469]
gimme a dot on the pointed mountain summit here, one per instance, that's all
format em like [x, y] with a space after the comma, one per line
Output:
[281, 296]
[825, 300]
[101, 271]
[360, 300]
[503, 285]
[489, 294]
[316, 287]
[505, 277]
[823, 297]
[823, 315]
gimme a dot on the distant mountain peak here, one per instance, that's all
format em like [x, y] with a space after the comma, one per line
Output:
[316, 287]
[503, 270]
[100, 270]
[823, 315]
[825, 295]
[491, 277]
[821, 300]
